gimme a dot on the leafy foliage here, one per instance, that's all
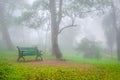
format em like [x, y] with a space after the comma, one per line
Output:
[35, 16]
[90, 48]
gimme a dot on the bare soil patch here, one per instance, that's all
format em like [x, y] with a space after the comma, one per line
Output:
[61, 63]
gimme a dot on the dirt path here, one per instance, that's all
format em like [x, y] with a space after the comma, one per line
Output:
[52, 62]
[61, 63]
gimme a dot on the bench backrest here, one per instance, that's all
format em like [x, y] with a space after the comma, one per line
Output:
[28, 50]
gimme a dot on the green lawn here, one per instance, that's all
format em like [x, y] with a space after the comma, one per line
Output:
[85, 69]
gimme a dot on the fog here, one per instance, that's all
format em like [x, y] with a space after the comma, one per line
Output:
[61, 27]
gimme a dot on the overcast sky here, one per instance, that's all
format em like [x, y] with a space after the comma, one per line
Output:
[29, 1]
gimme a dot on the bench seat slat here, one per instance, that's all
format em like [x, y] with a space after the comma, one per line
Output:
[26, 51]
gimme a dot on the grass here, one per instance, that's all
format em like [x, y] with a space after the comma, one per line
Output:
[6, 55]
[24, 71]
[85, 69]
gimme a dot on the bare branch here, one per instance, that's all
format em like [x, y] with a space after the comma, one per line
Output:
[66, 28]
[73, 18]
[91, 11]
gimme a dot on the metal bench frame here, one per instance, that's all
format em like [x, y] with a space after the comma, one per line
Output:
[21, 53]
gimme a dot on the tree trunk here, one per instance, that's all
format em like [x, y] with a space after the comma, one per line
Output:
[6, 37]
[118, 44]
[54, 31]
[116, 29]
[3, 28]
[55, 48]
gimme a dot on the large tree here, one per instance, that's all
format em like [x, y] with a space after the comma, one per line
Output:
[55, 21]
[72, 9]
[116, 23]
[3, 26]
[109, 31]
[7, 9]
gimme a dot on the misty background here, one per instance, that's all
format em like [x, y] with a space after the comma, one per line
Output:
[86, 27]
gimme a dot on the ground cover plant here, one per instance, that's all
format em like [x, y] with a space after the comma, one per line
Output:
[51, 69]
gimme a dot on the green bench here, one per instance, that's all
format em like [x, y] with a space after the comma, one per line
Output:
[29, 51]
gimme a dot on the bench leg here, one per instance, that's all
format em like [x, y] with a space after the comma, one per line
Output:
[38, 57]
[20, 58]
[23, 58]
[41, 58]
